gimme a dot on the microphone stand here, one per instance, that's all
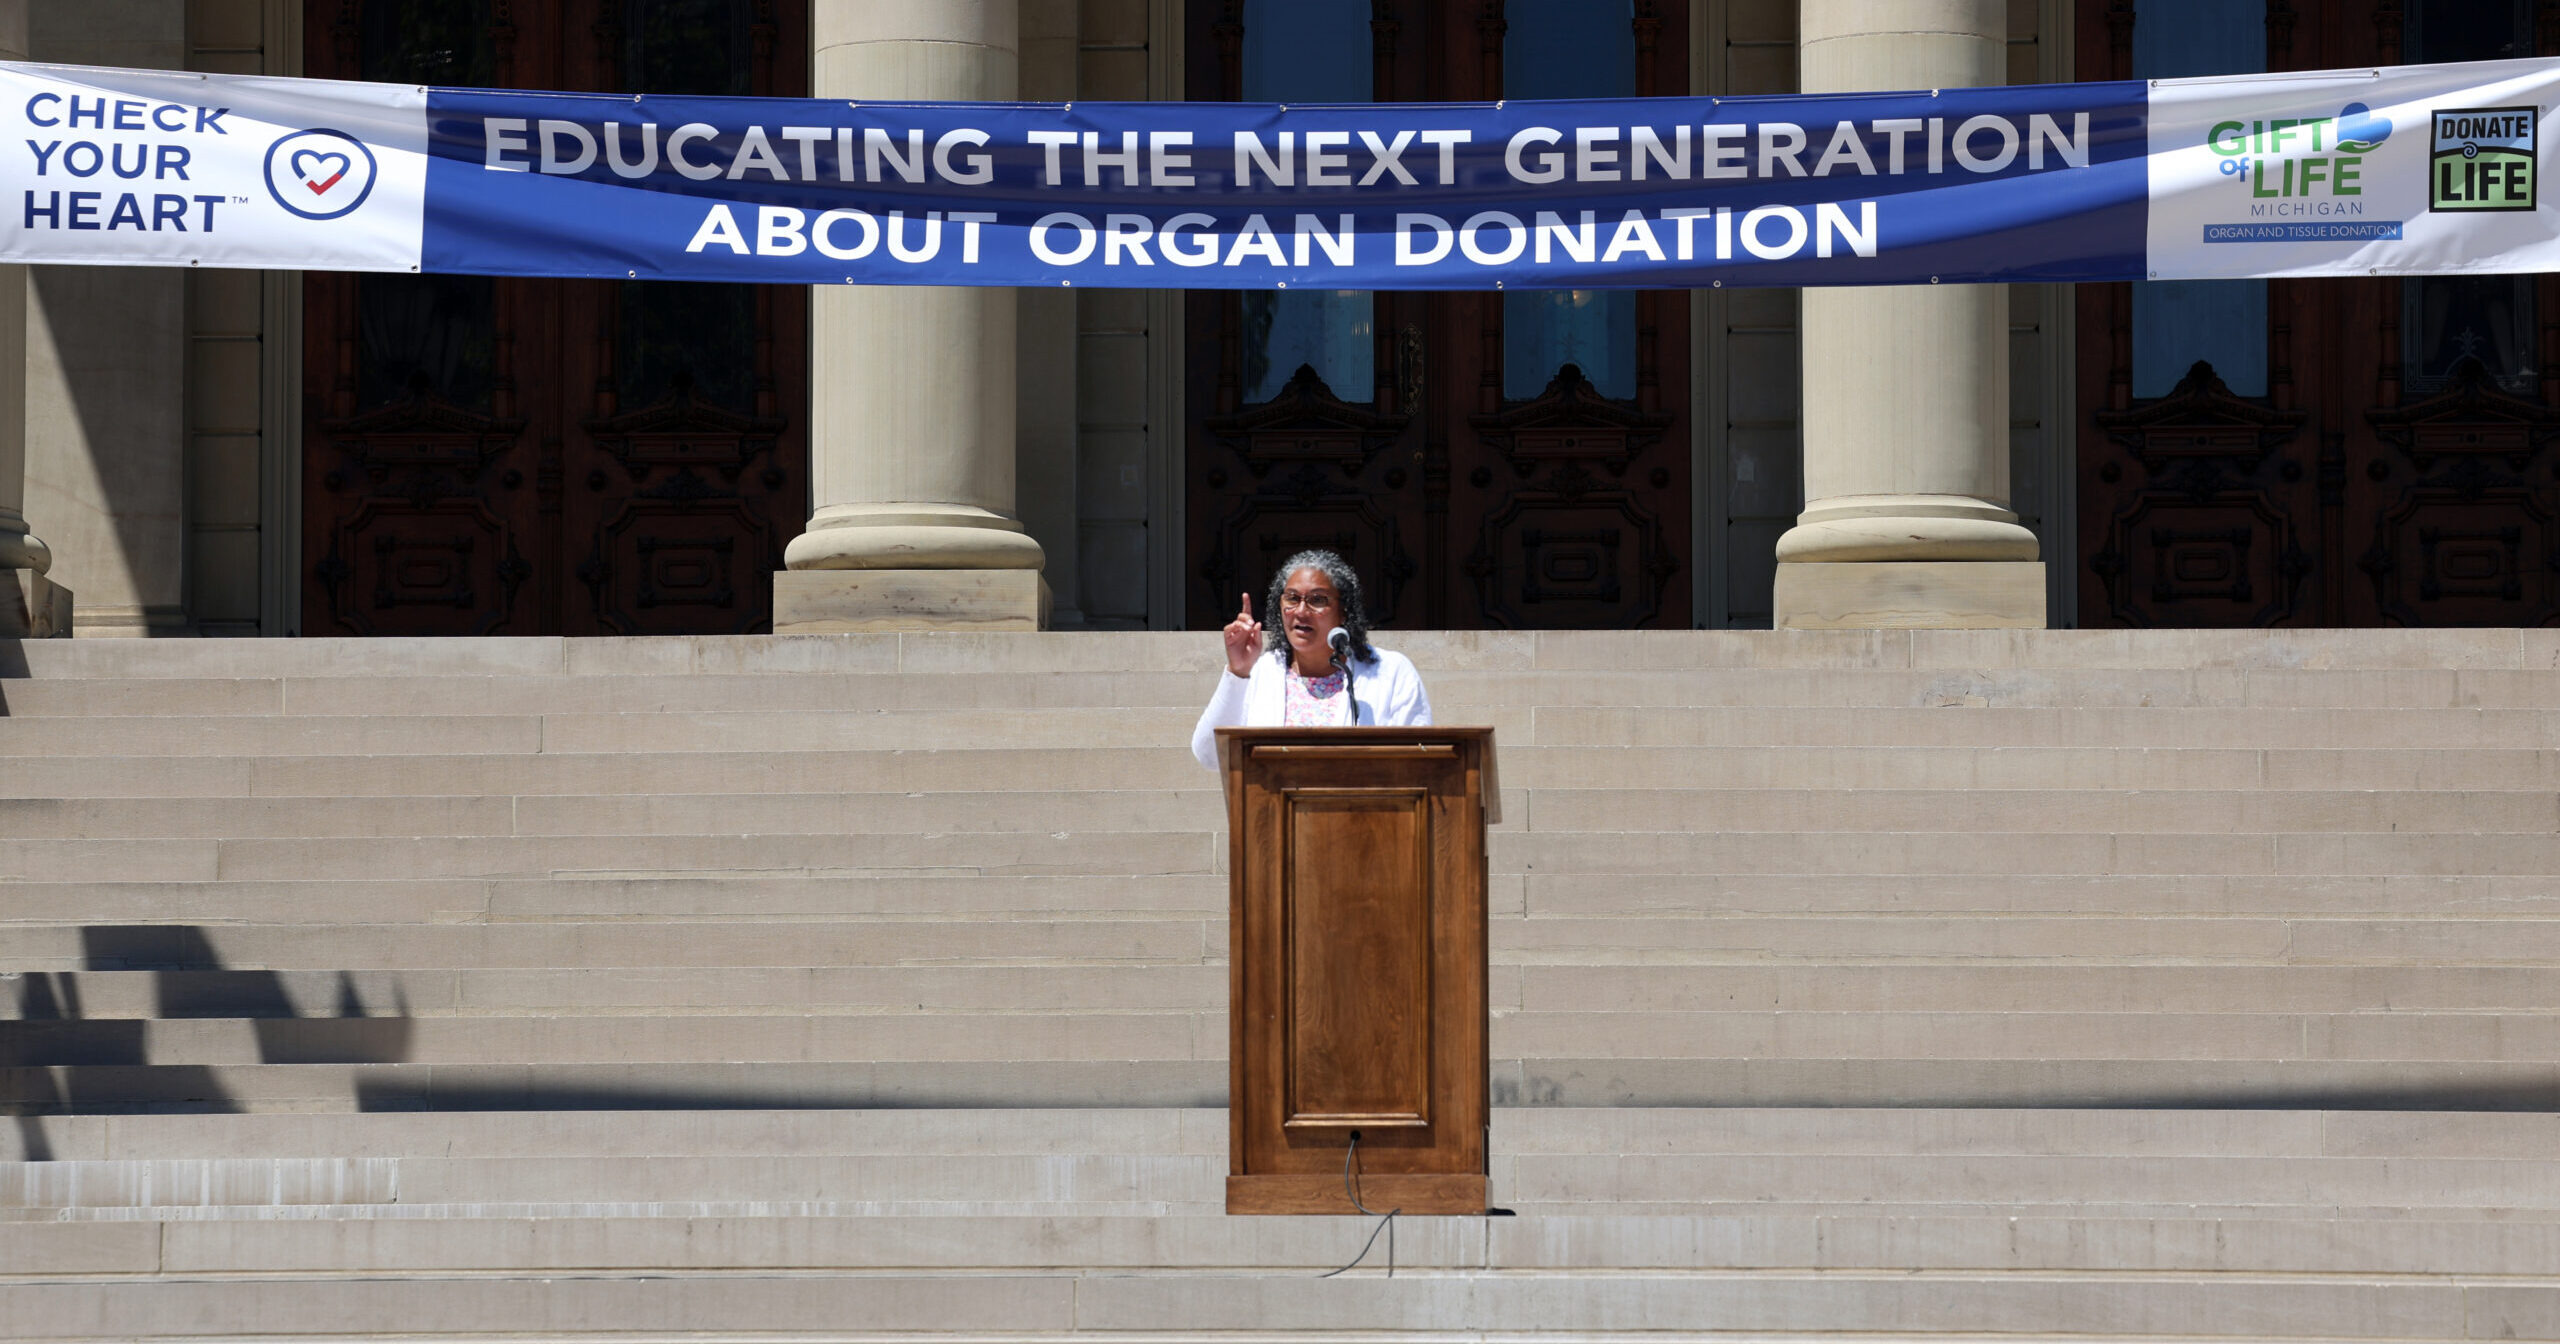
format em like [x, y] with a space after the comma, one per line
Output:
[1340, 644]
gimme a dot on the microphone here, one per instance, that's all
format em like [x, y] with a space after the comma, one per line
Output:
[1340, 641]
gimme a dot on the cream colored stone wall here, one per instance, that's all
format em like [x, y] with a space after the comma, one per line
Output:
[106, 377]
[224, 412]
[226, 378]
[1123, 345]
[149, 444]
[2041, 350]
[1045, 427]
[31, 605]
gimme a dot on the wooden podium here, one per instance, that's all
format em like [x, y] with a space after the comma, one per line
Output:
[1356, 907]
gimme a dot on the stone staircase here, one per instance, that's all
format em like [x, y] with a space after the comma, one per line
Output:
[2031, 984]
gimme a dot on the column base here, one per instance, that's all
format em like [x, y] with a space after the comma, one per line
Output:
[911, 536]
[1911, 595]
[33, 606]
[1866, 528]
[838, 601]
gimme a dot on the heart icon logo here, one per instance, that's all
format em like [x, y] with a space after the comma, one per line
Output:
[319, 171]
[2359, 130]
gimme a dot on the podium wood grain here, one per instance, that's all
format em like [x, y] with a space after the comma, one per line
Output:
[1357, 895]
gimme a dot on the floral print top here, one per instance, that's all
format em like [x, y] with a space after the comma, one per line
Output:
[1316, 702]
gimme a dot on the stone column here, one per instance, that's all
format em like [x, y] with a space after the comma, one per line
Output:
[912, 404]
[29, 603]
[1906, 388]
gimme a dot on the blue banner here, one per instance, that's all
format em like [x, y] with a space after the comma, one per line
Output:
[1978, 184]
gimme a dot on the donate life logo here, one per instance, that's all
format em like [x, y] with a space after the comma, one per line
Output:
[2482, 159]
[319, 174]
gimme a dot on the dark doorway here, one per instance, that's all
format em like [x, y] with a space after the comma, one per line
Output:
[2320, 452]
[518, 457]
[1487, 460]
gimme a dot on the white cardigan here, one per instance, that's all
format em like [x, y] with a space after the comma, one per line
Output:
[1386, 690]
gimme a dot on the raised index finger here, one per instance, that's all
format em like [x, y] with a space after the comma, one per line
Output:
[1244, 611]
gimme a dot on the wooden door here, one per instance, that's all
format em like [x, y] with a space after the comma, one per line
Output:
[1357, 1012]
[1485, 460]
[2363, 452]
[511, 456]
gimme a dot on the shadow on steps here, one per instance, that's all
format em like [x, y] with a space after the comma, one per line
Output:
[55, 1061]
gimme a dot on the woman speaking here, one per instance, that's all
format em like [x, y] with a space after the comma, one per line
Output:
[1316, 668]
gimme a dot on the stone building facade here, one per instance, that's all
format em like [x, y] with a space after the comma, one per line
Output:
[228, 453]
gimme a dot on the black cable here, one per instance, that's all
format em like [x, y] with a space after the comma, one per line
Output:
[1351, 690]
[1386, 1221]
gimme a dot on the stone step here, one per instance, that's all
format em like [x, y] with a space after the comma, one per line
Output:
[1669, 1305]
[1452, 691]
[1127, 811]
[1555, 810]
[1550, 726]
[101, 996]
[1093, 1182]
[1126, 1131]
[1036, 1030]
[681, 898]
[291, 860]
[832, 694]
[356, 735]
[1568, 1080]
[606, 947]
[1709, 944]
[712, 897]
[1101, 1183]
[1030, 1034]
[1077, 768]
[2122, 812]
[1837, 1239]
[1157, 853]
[1691, 895]
[2366, 726]
[1836, 987]
[1549, 1130]
[644, 1086]
[1991, 853]
[1162, 767]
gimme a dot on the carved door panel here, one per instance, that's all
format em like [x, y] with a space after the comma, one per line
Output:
[428, 400]
[1566, 412]
[508, 456]
[2456, 510]
[2389, 458]
[684, 463]
[2438, 455]
[1495, 460]
[683, 477]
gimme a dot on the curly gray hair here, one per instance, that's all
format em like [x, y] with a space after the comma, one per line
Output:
[1346, 581]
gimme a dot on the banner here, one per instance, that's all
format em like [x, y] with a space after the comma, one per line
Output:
[2412, 170]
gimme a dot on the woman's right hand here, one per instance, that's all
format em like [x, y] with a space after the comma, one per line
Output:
[1244, 640]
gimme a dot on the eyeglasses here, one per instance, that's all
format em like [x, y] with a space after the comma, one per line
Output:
[1308, 601]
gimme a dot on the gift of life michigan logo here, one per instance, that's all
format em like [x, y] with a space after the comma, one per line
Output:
[2296, 166]
[319, 174]
[2483, 159]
